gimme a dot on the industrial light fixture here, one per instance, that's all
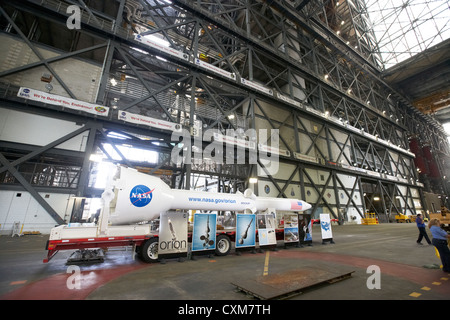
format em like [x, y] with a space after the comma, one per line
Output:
[253, 180]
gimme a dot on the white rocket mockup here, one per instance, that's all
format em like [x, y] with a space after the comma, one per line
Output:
[134, 197]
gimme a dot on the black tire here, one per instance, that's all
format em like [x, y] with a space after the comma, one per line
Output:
[223, 245]
[149, 251]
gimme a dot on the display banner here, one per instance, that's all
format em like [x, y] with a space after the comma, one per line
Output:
[245, 230]
[214, 69]
[204, 231]
[325, 226]
[36, 95]
[305, 228]
[291, 228]
[257, 86]
[173, 233]
[148, 121]
[160, 46]
[266, 229]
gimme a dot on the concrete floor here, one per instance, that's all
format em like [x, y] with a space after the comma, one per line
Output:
[391, 247]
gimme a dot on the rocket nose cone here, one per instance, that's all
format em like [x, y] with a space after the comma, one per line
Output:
[306, 206]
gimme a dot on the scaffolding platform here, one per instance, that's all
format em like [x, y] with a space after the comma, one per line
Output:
[288, 284]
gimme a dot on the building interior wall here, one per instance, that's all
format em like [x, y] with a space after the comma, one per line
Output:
[344, 134]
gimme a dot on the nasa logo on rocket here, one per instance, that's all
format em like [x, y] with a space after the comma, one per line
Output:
[140, 196]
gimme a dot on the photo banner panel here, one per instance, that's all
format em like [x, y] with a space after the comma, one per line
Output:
[305, 228]
[291, 228]
[245, 230]
[325, 226]
[204, 232]
[173, 233]
[266, 229]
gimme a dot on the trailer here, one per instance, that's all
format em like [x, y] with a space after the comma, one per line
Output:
[133, 201]
[144, 242]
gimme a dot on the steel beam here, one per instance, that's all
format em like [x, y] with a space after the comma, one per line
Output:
[37, 53]
[31, 190]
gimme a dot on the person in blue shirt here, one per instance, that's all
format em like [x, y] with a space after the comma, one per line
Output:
[440, 238]
[422, 231]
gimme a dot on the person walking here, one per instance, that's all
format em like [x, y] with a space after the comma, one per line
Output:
[422, 232]
[440, 238]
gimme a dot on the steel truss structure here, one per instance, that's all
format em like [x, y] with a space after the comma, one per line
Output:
[405, 29]
[278, 65]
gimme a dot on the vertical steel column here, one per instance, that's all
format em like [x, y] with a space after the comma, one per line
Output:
[84, 175]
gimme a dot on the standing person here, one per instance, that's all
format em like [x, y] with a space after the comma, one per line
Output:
[440, 238]
[422, 231]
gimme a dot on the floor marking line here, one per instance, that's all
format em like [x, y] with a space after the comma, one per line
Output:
[266, 264]
[415, 294]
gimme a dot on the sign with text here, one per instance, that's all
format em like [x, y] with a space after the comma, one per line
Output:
[41, 96]
[148, 121]
[266, 229]
[173, 233]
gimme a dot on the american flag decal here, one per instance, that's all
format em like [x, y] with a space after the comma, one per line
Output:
[296, 205]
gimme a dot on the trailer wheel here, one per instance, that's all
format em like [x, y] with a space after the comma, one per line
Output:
[223, 245]
[149, 251]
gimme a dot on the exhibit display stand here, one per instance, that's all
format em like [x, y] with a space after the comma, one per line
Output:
[204, 234]
[245, 232]
[291, 234]
[305, 229]
[325, 227]
[173, 236]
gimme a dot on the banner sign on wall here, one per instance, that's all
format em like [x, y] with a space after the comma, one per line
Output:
[148, 121]
[325, 226]
[36, 95]
[266, 229]
[245, 230]
[204, 231]
[291, 228]
[158, 44]
[214, 69]
[173, 233]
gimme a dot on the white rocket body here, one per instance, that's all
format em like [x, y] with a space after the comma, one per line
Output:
[141, 197]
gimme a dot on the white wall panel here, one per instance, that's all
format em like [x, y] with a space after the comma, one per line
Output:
[20, 206]
[37, 130]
